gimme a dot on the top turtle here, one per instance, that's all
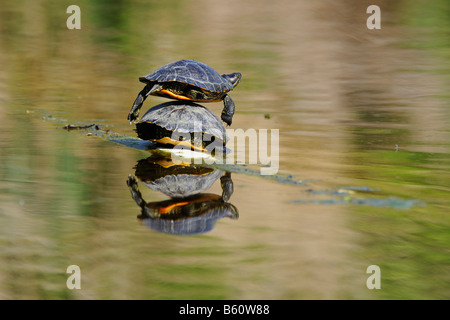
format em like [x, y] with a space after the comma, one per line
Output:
[188, 80]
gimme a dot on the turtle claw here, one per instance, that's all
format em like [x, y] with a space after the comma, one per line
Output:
[228, 110]
[227, 186]
[132, 117]
[226, 118]
[134, 112]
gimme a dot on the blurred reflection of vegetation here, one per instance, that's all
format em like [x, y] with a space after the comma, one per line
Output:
[430, 20]
[432, 27]
[408, 245]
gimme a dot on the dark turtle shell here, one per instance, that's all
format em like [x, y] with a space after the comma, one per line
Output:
[175, 180]
[183, 122]
[190, 72]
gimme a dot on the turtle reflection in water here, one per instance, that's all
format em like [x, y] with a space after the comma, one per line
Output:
[183, 122]
[189, 211]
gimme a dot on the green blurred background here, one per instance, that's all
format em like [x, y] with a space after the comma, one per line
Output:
[342, 96]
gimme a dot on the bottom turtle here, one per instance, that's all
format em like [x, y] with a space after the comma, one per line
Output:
[176, 180]
[193, 214]
[182, 123]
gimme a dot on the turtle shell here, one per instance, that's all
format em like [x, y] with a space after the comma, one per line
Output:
[182, 122]
[190, 72]
[175, 181]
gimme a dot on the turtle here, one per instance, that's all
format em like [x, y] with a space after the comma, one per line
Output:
[193, 214]
[188, 80]
[183, 122]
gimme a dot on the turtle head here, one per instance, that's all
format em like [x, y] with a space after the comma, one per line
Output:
[234, 78]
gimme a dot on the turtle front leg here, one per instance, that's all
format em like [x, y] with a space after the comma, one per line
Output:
[146, 212]
[134, 189]
[228, 110]
[148, 90]
[227, 186]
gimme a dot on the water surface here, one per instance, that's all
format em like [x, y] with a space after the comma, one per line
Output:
[364, 146]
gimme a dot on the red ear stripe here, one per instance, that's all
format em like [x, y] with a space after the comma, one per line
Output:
[234, 78]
